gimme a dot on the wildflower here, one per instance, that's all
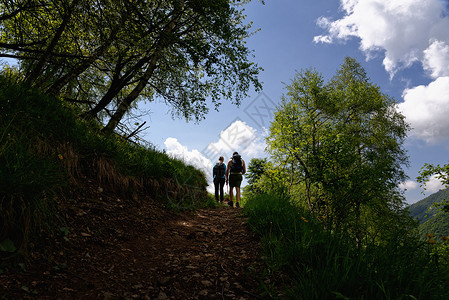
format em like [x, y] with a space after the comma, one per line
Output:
[304, 219]
[60, 156]
[430, 235]
[431, 241]
[445, 238]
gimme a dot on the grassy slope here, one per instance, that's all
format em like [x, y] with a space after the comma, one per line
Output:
[313, 263]
[45, 149]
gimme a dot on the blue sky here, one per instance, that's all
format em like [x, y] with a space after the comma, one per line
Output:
[402, 44]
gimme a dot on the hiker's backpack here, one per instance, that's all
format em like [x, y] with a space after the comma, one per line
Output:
[219, 170]
[237, 166]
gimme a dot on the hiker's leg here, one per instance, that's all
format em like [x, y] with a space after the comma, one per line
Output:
[231, 196]
[237, 194]
[222, 183]
[237, 187]
[216, 184]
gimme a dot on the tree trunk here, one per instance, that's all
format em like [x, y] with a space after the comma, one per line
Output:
[61, 82]
[36, 70]
[126, 103]
[117, 84]
[114, 88]
[162, 44]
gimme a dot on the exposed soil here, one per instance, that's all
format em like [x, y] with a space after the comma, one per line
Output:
[135, 249]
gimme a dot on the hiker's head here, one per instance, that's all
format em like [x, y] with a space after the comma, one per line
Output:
[221, 158]
[235, 155]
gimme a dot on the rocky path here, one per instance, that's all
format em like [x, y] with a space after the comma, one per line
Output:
[118, 251]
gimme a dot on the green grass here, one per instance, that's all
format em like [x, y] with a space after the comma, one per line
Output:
[310, 262]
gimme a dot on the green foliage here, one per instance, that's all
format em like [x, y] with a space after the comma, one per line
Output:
[107, 55]
[27, 178]
[265, 177]
[438, 225]
[254, 172]
[7, 246]
[43, 145]
[311, 262]
[439, 251]
[256, 168]
[340, 147]
[439, 172]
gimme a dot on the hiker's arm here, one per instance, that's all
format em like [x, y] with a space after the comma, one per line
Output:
[227, 173]
[244, 167]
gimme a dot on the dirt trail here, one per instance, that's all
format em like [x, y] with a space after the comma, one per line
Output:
[116, 250]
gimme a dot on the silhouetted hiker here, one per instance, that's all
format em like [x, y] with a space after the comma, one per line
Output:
[219, 172]
[236, 168]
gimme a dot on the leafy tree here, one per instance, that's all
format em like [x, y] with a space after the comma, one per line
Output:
[104, 55]
[341, 143]
[256, 168]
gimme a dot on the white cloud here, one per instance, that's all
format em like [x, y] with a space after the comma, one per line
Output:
[193, 157]
[405, 32]
[434, 185]
[436, 59]
[238, 136]
[409, 185]
[426, 108]
[402, 29]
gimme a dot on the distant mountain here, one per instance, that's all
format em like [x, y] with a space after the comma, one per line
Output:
[420, 209]
[430, 218]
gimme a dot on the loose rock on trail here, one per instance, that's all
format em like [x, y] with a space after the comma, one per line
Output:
[116, 249]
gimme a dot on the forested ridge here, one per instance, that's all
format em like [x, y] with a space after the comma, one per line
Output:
[433, 220]
[425, 208]
[89, 210]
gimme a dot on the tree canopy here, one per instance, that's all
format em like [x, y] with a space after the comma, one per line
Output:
[340, 143]
[104, 55]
